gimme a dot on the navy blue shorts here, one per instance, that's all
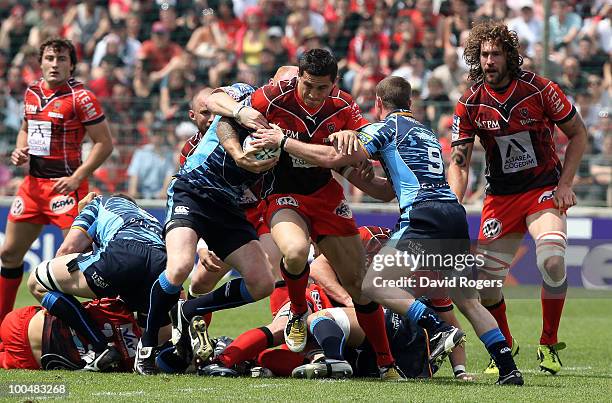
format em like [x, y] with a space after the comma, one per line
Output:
[433, 227]
[125, 269]
[222, 224]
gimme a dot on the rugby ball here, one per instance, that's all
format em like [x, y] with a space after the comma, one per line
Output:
[262, 154]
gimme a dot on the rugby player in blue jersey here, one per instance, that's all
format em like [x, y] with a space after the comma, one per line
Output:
[431, 221]
[128, 258]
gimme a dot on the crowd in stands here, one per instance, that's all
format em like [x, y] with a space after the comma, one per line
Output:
[144, 59]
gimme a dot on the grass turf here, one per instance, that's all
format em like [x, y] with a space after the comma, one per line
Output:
[586, 375]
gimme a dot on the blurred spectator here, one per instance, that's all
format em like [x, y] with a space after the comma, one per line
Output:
[601, 171]
[413, 70]
[429, 51]
[423, 19]
[572, 80]
[311, 18]
[591, 59]
[371, 73]
[227, 22]
[275, 45]
[310, 40]
[118, 44]
[293, 34]
[451, 74]
[251, 39]
[14, 32]
[160, 55]
[27, 60]
[564, 24]
[103, 78]
[49, 25]
[599, 27]
[175, 93]
[179, 33]
[88, 23]
[437, 101]
[528, 27]
[221, 70]
[367, 40]
[456, 23]
[492, 9]
[151, 169]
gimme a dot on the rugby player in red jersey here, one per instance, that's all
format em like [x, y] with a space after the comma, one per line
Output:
[307, 203]
[514, 113]
[31, 338]
[59, 111]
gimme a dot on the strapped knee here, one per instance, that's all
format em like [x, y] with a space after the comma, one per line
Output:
[550, 244]
[44, 277]
[495, 263]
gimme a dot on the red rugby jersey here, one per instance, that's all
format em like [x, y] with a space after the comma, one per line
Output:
[281, 105]
[516, 129]
[56, 126]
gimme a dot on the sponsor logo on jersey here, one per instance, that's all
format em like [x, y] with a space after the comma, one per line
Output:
[331, 127]
[526, 121]
[56, 115]
[516, 152]
[548, 195]
[181, 210]
[491, 228]
[343, 210]
[62, 204]
[487, 124]
[455, 128]
[17, 207]
[313, 119]
[31, 109]
[129, 338]
[287, 201]
[98, 280]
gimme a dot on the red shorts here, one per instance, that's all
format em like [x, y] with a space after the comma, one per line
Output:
[325, 211]
[37, 203]
[315, 297]
[15, 350]
[255, 215]
[507, 214]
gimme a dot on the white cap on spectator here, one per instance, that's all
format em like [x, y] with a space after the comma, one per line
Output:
[275, 32]
[184, 130]
[516, 5]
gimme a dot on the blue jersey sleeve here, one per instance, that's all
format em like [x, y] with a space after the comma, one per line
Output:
[238, 91]
[375, 137]
[87, 220]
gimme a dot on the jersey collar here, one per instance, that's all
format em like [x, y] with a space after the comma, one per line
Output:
[401, 112]
[502, 97]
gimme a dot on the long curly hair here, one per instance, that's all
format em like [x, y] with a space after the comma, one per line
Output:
[495, 31]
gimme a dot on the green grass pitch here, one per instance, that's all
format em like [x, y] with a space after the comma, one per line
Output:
[586, 375]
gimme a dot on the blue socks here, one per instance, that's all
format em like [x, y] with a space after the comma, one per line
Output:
[329, 336]
[163, 296]
[232, 294]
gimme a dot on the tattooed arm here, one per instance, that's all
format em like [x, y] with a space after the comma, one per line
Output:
[458, 170]
[227, 132]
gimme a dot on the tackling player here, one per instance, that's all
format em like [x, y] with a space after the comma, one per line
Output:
[307, 203]
[430, 214]
[59, 111]
[514, 112]
[130, 251]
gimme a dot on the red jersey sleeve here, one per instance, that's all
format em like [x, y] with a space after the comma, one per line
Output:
[88, 108]
[259, 100]
[462, 130]
[354, 120]
[556, 105]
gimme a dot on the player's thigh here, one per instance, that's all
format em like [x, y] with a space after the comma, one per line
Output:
[181, 248]
[496, 256]
[346, 256]
[251, 261]
[18, 237]
[549, 220]
[64, 274]
[203, 280]
[290, 233]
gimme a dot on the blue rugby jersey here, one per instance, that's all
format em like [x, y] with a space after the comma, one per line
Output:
[114, 218]
[411, 156]
[210, 168]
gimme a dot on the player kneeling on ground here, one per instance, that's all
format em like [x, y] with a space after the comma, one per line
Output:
[130, 252]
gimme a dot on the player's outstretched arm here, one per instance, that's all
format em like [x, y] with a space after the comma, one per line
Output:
[459, 168]
[364, 179]
[576, 132]
[316, 154]
[220, 103]
[323, 275]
